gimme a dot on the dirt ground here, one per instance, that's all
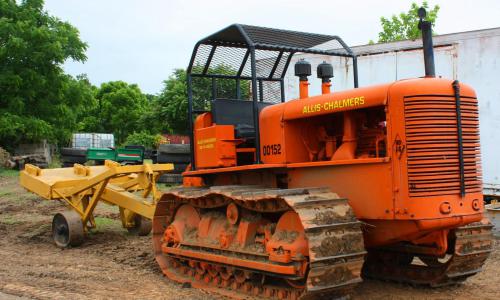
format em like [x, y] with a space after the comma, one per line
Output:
[113, 264]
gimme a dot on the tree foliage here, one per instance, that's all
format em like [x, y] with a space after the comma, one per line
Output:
[172, 102]
[118, 108]
[405, 25]
[37, 100]
[144, 138]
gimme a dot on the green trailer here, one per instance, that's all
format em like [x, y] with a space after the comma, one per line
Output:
[122, 155]
[129, 155]
[100, 154]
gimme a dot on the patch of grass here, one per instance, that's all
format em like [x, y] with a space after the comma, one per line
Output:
[8, 173]
[107, 223]
[55, 163]
[37, 232]
[9, 220]
[5, 192]
[13, 195]
[9, 194]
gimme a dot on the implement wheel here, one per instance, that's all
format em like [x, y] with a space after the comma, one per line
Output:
[67, 229]
[142, 226]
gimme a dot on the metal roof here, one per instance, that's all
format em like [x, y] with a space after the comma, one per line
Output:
[439, 41]
[227, 47]
[274, 39]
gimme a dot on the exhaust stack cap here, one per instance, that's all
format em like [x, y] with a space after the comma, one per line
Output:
[325, 71]
[302, 69]
[426, 29]
[422, 13]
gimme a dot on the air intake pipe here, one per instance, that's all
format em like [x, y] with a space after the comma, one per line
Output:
[303, 70]
[325, 72]
[426, 28]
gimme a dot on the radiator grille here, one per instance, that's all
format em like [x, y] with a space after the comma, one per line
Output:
[432, 145]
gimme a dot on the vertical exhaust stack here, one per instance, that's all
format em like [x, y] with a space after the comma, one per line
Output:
[426, 28]
[325, 72]
[302, 70]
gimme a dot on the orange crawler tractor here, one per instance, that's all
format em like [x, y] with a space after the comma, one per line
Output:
[301, 199]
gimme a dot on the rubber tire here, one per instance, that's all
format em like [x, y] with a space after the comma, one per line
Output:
[173, 157]
[41, 165]
[150, 154]
[180, 168]
[174, 148]
[67, 229]
[74, 159]
[170, 178]
[73, 152]
[142, 226]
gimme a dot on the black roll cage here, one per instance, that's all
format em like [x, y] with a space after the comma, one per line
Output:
[252, 38]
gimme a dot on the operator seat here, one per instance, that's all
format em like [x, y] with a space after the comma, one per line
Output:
[238, 113]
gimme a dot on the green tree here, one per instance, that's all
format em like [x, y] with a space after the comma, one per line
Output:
[405, 25]
[88, 118]
[149, 120]
[144, 138]
[172, 103]
[119, 109]
[37, 100]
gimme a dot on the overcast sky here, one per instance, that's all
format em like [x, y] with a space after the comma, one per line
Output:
[143, 41]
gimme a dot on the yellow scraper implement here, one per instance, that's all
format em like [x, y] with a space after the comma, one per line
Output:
[132, 188]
